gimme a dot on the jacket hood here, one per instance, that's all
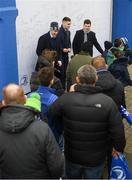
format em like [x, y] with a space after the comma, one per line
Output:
[87, 89]
[15, 118]
[122, 61]
[45, 89]
[105, 79]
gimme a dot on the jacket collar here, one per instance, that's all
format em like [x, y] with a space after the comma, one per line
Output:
[88, 89]
[101, 70]
[45, 88]
[84, 53]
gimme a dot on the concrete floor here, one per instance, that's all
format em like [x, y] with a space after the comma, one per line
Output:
[128, 129]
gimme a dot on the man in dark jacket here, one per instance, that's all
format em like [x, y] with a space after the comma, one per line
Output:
[90, 119]
[119, 67]
[85, 35]
[65, 46]
[49, 40]
[110, 86]
[28, 149]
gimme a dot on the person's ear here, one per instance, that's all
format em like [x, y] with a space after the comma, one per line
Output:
[3, 103]
[96, 78]
[25, 99]
[51, 82]
[106, 66]
[77, 80]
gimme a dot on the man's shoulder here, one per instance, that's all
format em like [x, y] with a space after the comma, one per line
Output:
[44, 36]
[80, 31]
[39, 127]
[61, 30]
[47, 97]
[91, 33]
[80, 57]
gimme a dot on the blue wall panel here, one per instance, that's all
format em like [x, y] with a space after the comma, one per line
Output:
[8, 51]
[122, 18]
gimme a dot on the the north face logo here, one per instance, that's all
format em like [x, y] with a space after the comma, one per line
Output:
[98, 105]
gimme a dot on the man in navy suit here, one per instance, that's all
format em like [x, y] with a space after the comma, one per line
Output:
[85, 35]
[65, 46]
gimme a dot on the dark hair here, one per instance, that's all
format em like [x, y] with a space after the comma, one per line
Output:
[66, 19]
[46, 75]
[117, 52]
[118, 42]
[107, 45]
[87, 21]
[42, 62]
[50, 55]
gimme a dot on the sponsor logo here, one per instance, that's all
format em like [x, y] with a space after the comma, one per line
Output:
[24, 80]
[118, 172]
[98, 105]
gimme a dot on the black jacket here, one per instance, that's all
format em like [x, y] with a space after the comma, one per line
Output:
[28, 149]
[111, 86]
[120, 71]
[90, 118]
[45, 42]
[79, 39]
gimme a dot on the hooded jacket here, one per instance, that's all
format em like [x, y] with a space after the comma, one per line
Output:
[119, 70]
[111, 86]
[90, 119]
[27, 147]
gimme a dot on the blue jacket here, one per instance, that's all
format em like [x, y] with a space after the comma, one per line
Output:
[48, 97]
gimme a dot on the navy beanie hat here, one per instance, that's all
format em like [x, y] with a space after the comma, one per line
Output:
[54, 26]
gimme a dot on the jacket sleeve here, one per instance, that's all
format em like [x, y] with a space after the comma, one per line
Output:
[116, 129]
[68, 77]
[127, 76]
[55, 110]
[40, 46]
[55, 160]
[75, 44]
[97, 45]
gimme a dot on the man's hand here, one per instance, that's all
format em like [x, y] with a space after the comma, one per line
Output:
[115, 153]
[59, 63]
[66, 50]
[72, 88]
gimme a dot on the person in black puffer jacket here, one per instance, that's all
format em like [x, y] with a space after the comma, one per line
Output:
[111, 87]
[90, 120]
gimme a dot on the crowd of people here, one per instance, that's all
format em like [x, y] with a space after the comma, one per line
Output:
[69, 126]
